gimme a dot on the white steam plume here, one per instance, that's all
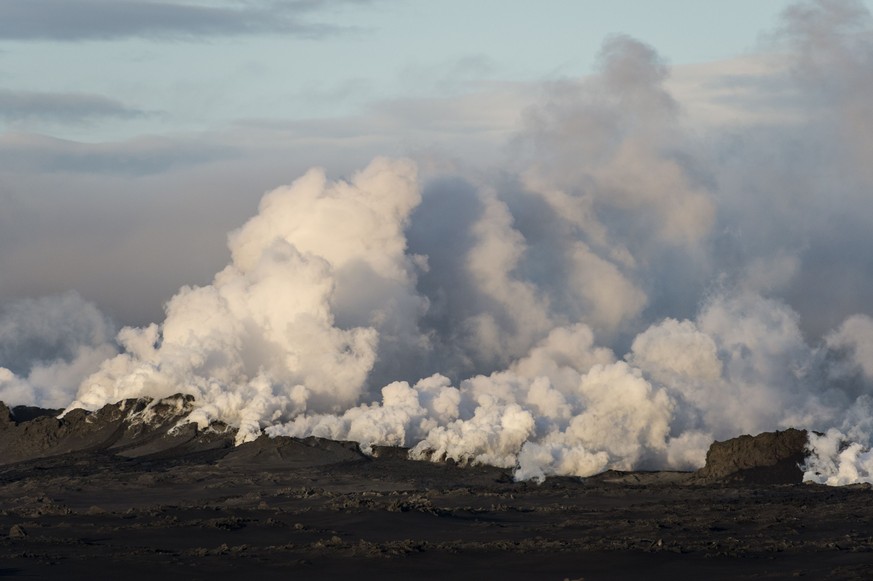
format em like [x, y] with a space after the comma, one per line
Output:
[622, 294]
[262, 342]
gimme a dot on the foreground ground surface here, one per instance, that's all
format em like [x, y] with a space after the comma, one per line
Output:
[313, 509]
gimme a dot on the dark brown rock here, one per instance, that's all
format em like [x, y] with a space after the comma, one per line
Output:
[392, 452]
[6, 420]
[284, 452]
[130, 428]
[768, 458]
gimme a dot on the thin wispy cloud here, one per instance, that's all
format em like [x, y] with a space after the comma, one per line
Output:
[62, 107]
[78, 20]
[141, 156]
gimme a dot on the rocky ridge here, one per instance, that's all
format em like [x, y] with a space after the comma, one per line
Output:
[129, 428]
[145, 427]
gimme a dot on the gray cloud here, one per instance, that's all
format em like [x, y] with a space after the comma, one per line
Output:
[63, 107]
[47, 328]
[75, 20]
[141, 156]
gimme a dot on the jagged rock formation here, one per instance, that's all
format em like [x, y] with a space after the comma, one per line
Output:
[768, 458]
[146, 428]
[129, 428]
[155, 428]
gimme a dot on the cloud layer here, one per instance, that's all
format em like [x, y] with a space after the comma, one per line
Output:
[77, 20]
[66, 107]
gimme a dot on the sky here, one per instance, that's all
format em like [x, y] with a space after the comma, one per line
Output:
[487, 230]
[133, 127]
[99, 70]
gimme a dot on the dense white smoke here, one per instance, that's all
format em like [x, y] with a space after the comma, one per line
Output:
[294, 323]
[627, 292]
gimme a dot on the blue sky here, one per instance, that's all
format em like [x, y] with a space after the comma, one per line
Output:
[111, 74]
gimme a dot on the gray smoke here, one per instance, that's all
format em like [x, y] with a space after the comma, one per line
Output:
[48, 346]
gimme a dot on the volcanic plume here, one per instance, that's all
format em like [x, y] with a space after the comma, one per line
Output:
[623, 292]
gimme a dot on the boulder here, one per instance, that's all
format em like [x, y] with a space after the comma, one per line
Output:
[17, 532]
[768, 458]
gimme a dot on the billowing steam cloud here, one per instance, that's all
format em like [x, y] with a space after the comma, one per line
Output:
[629, 291]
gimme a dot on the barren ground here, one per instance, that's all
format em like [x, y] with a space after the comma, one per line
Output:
[321, 510]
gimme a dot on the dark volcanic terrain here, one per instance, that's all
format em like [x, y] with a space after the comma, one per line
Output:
[127, 492]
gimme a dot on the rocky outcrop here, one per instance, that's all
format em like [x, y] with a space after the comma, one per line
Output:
[283, 452]
[156, 428]
[6, 420]
[130, 428]
[159, 428]
[768, 458]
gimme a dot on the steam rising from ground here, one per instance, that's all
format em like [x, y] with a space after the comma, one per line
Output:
[629, 291]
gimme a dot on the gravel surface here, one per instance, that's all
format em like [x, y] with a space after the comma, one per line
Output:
[316, 509]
